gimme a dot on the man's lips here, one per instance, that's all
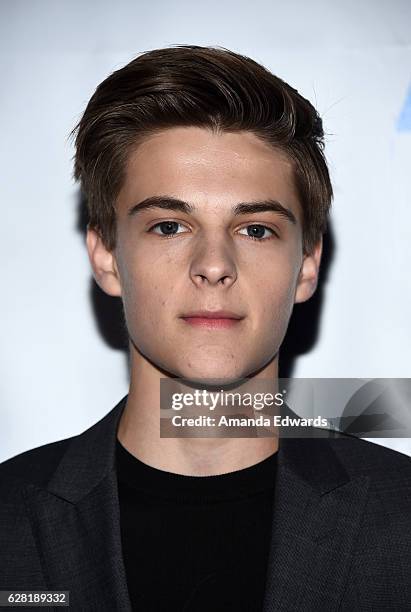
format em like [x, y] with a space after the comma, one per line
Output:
[216, 319]
[212, 314]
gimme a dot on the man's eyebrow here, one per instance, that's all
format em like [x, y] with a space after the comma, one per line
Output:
[242, 208]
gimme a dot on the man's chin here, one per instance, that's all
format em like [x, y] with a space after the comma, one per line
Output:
[211, 377]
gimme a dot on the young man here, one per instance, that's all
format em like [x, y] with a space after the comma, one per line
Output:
[208, 196]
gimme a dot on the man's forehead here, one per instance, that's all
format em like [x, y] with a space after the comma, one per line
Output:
[201, 146]
[207, 169]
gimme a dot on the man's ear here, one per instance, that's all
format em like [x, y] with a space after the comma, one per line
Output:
[308, 277]
[103, 263]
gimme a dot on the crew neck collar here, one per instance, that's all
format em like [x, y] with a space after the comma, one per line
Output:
[245, 482]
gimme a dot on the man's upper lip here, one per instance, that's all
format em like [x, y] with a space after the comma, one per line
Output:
[213, 314]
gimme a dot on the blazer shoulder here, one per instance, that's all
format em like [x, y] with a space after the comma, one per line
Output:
[363, 457]
[34, 466]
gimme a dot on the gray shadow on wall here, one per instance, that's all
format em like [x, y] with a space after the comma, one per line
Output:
[303, 329]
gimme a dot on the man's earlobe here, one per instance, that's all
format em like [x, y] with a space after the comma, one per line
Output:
[103, 263]
[308, 277]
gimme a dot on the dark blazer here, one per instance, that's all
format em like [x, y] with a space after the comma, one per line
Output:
[341, 526]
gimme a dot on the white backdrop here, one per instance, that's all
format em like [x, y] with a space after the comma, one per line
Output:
[351, 59]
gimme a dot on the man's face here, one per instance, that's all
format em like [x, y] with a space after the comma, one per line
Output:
[171, 262]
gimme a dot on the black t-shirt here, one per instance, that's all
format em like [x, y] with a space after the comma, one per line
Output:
[195, 543]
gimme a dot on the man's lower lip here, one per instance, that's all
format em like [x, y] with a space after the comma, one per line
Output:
[211, 323]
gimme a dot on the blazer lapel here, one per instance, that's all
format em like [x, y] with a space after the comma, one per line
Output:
[317, 513]
[76, 522]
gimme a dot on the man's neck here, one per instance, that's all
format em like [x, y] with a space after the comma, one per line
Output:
[139, 431]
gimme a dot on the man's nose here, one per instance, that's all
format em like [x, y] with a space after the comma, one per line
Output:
[213, 264]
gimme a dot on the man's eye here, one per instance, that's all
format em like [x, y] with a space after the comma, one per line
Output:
[256, 231]
[168, 228]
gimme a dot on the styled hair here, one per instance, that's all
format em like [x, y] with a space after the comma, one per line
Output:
[210, 87]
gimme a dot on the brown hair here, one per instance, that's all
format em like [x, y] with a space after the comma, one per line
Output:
[211, 87]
